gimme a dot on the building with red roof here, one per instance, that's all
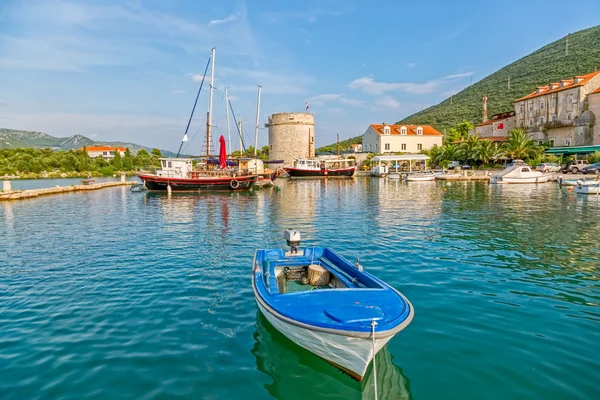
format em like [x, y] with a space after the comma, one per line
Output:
[104, 151]
[384, 138]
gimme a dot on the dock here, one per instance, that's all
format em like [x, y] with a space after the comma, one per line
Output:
[33, 193]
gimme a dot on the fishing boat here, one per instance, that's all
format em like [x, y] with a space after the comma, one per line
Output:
[309, 168]
[574, 182]
[179, 174]
[327, 305]
[520, 174]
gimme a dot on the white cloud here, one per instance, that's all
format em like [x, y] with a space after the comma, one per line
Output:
[177, 91]
[341, 98]
[369, 85]
[388, 102]
[232, 17]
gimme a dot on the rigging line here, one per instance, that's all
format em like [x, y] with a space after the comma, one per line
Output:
[237, 126]
[193, 136]
[194, 108]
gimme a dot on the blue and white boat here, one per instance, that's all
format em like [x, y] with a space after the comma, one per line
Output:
[327, 305]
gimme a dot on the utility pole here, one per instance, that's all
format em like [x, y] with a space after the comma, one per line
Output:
[228, 127]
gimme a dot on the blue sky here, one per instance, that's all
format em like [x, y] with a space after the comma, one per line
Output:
[129, 70]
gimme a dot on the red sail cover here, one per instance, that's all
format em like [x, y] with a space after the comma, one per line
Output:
[222, 153]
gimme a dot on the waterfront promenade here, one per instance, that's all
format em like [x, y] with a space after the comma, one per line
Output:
[32, 193]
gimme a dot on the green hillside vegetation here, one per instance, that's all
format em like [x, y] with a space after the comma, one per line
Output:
[47, 163]
[15, 139]
[551, 63]
[344, 144]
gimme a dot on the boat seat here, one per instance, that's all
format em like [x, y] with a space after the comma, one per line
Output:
[272, 280]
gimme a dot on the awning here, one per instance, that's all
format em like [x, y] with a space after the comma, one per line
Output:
[573, 150]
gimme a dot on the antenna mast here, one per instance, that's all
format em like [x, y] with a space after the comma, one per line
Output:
[257, 119]
[210, 101]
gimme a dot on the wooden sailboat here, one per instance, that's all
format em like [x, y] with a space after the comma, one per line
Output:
[310, 168]
[179, 174]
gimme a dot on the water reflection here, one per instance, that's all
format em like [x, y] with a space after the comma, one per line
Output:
[299, 374]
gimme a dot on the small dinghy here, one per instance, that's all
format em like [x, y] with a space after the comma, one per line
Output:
[420, 177]
[589, 188]
[327, 305]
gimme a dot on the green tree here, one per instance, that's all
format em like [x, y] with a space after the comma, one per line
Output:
[520, 146]
[84, 160]
[459, 132]
[156, 153]
[468, 150]
[265, 150]
[117, 161]
[127, 160]
[487, 151]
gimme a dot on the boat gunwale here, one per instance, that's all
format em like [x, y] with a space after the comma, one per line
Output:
[194, 180]
[341, 332]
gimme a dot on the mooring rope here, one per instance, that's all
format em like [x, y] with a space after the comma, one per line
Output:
[373, 325]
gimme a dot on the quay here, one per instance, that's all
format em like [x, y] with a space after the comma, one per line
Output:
[9, 195]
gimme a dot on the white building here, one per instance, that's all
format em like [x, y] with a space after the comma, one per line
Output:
[356, 148]
[400, 138]
[104, 151]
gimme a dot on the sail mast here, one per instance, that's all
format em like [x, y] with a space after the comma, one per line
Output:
[210, 101]
[257, 119]
[228, 127]
[240, 130]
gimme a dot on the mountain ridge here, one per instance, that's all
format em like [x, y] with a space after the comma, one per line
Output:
[15, 138]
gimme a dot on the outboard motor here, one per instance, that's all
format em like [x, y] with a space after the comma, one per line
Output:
[293, 240]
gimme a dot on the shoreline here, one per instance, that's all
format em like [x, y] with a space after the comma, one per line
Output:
[34, 193]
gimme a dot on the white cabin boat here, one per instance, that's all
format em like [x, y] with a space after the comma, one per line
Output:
[591, 188]
[520, 174]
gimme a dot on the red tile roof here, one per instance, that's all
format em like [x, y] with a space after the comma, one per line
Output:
[410, 129]
[596, 91]
[103, 148]
[555, 87]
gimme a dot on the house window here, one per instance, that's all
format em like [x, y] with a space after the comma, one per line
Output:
[386, 130]
[387, 146]
[551, 142]
[521, 108]
[541, 120]
[419, 146]
[541, 104]
[567, 142]
[569, 116]
[570, 100]
[105, 153]
[419, 131]
[553, 117]
[540, 142]
[522, 123]
[403, 131]
[554, 102]
[531, 106]
[530, 121]
[403, 146]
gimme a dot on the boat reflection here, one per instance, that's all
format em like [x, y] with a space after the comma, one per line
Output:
[299, 374]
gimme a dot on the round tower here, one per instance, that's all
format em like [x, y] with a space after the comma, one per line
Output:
[291, 136]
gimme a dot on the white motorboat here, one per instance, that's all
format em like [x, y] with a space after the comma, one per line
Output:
[420, 177]
[574, 182]
[394, 176]
[520, 174]
[591, 188]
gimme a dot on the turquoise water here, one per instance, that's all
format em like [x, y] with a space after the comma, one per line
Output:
[113, 294]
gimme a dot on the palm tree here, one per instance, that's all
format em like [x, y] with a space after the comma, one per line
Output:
[487, 151]
[469, 148]
[520, 146]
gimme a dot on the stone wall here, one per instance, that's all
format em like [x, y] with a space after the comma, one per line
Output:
[291, 136]
[594, 108]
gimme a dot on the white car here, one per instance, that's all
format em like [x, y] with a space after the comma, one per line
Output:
[548, 167]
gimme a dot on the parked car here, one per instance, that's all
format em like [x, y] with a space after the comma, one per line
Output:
[591, 169]
[454, 164]
[548, 167]
[465, 166]
[574, 166]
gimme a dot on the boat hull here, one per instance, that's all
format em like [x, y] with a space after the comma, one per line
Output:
[587, 189]
[320, 173]
[533, 179]
[420, 178]
[157, 183]
[350, 354]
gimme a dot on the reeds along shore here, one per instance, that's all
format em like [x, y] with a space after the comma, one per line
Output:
[32, 193]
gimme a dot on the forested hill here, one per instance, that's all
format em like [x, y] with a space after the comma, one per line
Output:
[12, 139]
[575, 54]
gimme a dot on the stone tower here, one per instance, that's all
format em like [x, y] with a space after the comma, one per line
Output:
[291, 136]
